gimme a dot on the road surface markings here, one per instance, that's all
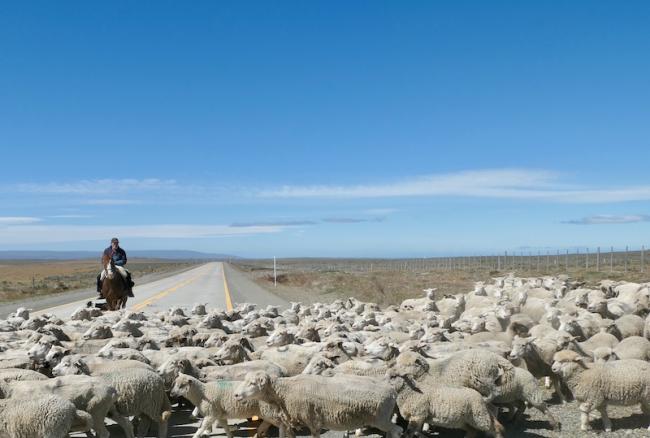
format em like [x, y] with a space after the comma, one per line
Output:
[226, 290]
[163, 294]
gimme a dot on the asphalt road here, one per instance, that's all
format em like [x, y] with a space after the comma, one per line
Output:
[204, 284]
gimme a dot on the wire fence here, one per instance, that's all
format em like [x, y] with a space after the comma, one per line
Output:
[599, 259]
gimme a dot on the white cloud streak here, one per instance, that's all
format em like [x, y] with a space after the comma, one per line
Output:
[516, 184]
[43, 234]
[18, 220]
[610, 219]
[111, 202]
[498, 183]
[92, 187]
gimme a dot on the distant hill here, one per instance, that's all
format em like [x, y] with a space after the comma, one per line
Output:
[150, 254]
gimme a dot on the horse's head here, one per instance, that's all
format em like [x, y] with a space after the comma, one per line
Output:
[109, 266]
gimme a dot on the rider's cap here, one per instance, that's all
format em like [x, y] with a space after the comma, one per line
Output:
[115, 239]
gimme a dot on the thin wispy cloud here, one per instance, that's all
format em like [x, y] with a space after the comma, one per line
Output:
[44, 234]
[18, 220]
[71, 216]
[272, 224]
[90, 187]
[610, 219]
[111, 202]
[497, 183]
[514, 184]
[351, 220]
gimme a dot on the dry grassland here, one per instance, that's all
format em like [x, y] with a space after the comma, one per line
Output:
[21, 279]
[314, 280]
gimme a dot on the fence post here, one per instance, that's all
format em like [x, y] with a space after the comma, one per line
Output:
[642, 258]
[598, 259]
[566, 260]
[611, 259]
[275, 276]
[498, 262]
[577, 258]
[587, 260]
[625, 258]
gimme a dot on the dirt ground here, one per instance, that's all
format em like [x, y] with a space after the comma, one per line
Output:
[21, 279]
[390, 282]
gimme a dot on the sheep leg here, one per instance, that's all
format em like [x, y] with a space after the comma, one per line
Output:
[100, 427]
[223, 423]
[585, 408]
[263, 428]
[413, 428]
[544, 409]
[205, 426]
[162, 429]
[123, 422]
[607, 424]
[557, 384]
[143, 425]
[547, 382]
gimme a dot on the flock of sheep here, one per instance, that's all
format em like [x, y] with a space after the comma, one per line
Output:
[471, 361]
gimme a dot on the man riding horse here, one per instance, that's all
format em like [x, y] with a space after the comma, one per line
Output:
[118, 255]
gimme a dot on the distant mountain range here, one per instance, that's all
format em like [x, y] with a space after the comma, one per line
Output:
[149, 254]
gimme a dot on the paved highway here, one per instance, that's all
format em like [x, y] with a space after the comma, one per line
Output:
[208, 284]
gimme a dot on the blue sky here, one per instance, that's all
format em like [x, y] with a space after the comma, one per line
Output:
[362, 128]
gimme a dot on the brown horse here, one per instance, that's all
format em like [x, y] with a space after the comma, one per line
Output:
[114, 287]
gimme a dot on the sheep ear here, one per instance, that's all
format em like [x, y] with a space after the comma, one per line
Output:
[580, 360]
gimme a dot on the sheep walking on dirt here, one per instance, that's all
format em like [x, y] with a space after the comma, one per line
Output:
[336, 403]
[623, 382]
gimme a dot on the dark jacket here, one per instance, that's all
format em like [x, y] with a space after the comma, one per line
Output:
[118, 256]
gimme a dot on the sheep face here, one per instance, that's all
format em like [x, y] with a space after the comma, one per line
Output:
[172, 369]
[604, 354]
[182, 385]
[478, 325]
[55, 355]
[98, 332]
[520, 346]
[39, 351]
[230, 353]
[279, 338]
[68, 367]
[318, 364]
[253, 386]
[566, 363]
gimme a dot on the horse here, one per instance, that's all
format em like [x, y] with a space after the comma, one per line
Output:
[114, 287]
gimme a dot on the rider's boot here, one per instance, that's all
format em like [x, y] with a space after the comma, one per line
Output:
[99, 287]
[129, 285]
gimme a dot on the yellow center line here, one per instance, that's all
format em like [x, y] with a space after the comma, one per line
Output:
[163, 294]
[226, 289]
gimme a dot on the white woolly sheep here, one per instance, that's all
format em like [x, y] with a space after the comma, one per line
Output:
[437, 405]
[336, 403]
[623, 382]
[216, 402]
[48, 416]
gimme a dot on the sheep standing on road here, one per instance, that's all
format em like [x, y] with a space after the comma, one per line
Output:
[216, 402]
[623, 382]
[43, 417]
[452, 408]
[335, 403]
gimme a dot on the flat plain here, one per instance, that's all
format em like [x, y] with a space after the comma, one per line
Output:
[22, 279]
[389, 281]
